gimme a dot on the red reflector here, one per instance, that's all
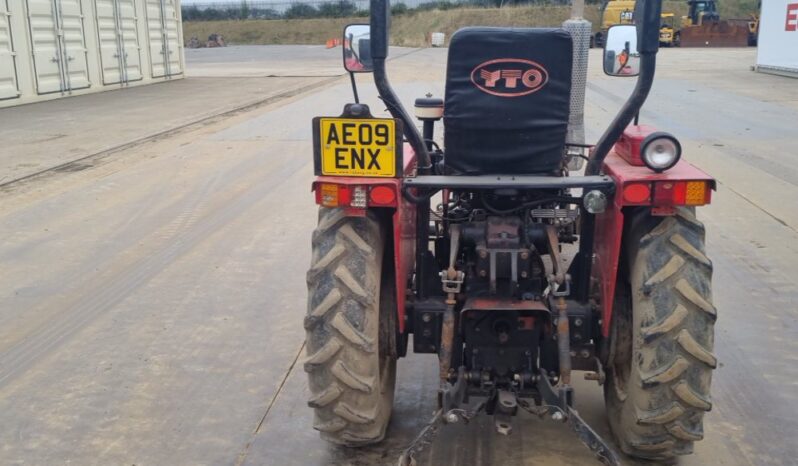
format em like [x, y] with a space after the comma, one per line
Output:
[382, 195]
[637, 193]
[344, 195]
[679, 193]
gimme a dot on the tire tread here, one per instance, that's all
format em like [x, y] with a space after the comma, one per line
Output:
[670, 277]
[351, 400]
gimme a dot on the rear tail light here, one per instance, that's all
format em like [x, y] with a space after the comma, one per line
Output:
[333, 195]
[673, 193]
[697, 193]
[667, 193]
[637, 194]
[382, 195]
[358, 197]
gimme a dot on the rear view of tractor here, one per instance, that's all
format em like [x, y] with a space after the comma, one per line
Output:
[512, 268]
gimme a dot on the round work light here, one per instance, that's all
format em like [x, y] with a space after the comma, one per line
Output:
[660, 151]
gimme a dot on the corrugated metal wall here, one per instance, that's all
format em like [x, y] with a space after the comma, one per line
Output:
[55, 48]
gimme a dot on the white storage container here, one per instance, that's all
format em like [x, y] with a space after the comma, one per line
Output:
[437, 39]
[57, 48]
[777, 46]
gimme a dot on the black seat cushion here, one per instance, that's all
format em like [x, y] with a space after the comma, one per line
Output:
[507, 100]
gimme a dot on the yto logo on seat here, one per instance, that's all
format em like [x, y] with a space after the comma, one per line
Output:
[509, 77]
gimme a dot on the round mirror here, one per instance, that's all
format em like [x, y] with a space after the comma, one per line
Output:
[621, 57]
[357, 48]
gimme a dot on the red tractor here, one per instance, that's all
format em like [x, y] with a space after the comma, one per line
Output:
[512, 269]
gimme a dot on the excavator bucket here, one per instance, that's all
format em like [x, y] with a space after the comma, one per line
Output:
[715, 34]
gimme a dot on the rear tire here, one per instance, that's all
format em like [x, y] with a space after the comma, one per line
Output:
[352, 370]
[661, 361]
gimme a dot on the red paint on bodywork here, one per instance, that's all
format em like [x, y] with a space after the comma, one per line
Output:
[403, 224]
[404, 239]
[628, 145]
[609, 224]
[607, 249]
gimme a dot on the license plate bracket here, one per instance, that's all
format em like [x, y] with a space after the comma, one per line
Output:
[357, 144]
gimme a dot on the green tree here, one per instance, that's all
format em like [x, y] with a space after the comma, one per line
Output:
[300, 10]
[337, 9]
[398, 9]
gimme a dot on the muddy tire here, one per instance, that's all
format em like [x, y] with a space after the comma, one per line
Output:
[661, 361]
[351, 357]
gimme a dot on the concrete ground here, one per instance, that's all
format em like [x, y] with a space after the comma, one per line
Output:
[151, 297]
[39, 137]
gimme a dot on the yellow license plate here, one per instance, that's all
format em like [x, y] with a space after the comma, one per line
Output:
[357, 147]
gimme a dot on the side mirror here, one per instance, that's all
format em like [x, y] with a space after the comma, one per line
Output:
[621, 57]
[357, 48]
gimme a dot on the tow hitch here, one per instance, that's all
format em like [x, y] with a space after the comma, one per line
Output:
[556, 405]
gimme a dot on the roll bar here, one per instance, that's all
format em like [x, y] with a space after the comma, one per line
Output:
[647, 19]
[380, 23]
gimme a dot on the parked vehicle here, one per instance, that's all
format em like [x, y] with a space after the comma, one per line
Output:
[669, 35]
[703, 27]
[613, 12]
[511, 269]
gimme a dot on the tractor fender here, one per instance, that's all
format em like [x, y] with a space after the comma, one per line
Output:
[609, 225]
[401, 223]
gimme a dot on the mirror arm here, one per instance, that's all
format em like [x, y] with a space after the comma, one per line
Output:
[627, 113]
[354, 86]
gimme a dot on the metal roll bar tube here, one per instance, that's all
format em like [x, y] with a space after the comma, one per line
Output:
[380, 22]
[648, 45]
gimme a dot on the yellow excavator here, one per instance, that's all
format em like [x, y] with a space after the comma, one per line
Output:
[612, 12]
[669, 35]
[701, 12]
[702, 27]
[752, 23]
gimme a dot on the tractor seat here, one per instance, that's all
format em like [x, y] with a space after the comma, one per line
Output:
[508, 95]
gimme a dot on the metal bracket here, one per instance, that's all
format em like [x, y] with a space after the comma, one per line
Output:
[561, 403]
[452, 285]
[598, 375]
[566, 287]
[453, 395]
[450, 412]
[506, 407]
